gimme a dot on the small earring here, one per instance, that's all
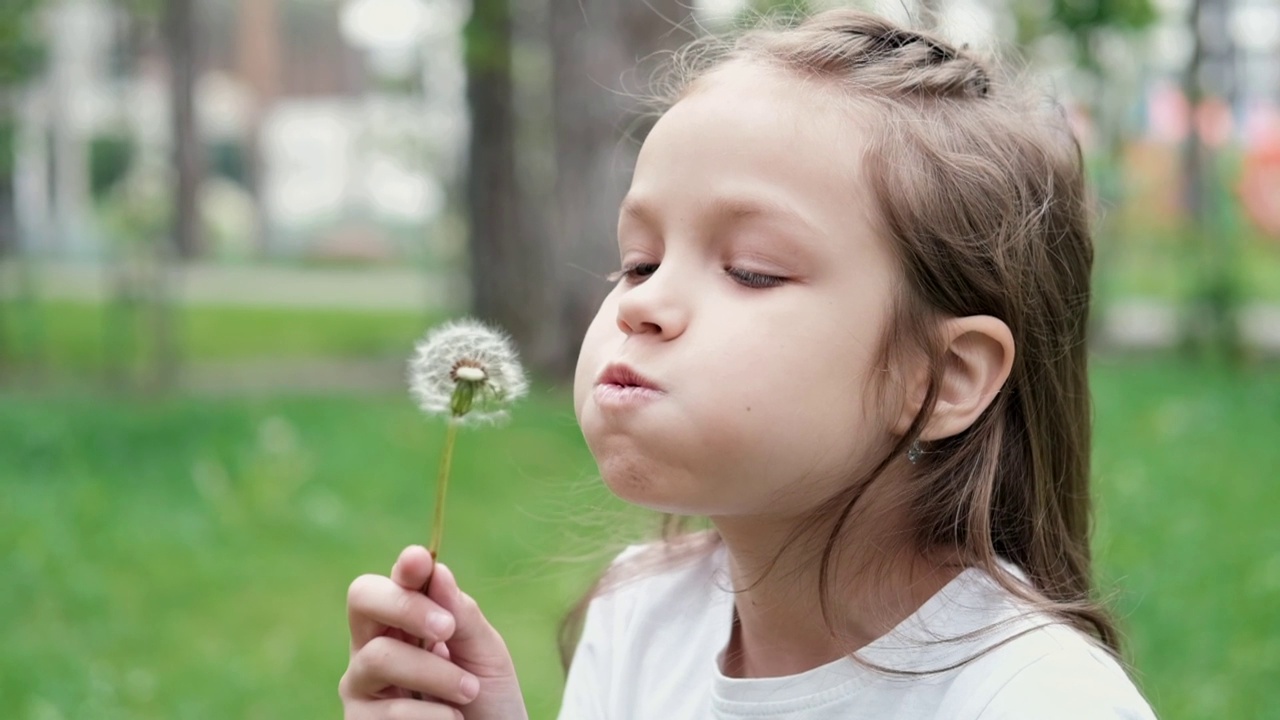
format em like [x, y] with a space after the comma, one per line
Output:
[914, 452]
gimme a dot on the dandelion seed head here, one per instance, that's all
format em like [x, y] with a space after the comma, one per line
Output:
[471, 374]
[466, 351]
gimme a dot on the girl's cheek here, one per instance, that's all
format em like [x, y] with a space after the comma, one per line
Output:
[591, 355]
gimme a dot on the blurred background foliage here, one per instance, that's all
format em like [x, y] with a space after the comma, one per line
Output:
[223, 224]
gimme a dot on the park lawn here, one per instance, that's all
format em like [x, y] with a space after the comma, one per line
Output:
[189, 558]
[69, 339]
[1185, 466]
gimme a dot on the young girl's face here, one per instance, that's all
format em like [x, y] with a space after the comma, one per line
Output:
[754, 305]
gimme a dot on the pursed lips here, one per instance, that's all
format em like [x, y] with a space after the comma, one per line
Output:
[620, 387]
[623, 375]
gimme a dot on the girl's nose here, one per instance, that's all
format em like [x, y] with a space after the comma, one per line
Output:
[654, 307]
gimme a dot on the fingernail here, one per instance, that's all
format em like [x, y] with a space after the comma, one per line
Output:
[470, 687]
[439, 623]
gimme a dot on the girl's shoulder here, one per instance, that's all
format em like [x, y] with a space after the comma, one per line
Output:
[1053, 672]
[995, 656]
[1016, 661]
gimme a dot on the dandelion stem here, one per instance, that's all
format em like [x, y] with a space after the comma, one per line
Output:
[442, 486]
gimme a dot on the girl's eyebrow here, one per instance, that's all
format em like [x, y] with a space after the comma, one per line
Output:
[724, 208]
[639, 210]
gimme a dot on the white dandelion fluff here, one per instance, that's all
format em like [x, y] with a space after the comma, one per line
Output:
[468, 371]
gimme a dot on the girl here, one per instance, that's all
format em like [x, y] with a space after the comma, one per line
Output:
[849, 329]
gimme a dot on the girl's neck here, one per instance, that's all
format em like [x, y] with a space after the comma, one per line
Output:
[779, 627]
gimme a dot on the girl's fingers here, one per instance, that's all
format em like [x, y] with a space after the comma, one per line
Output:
[386, 662]
[475, 644]
[402, 709]
[413, 568]
[375, 603]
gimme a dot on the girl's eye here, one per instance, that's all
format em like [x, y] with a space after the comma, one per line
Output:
[634, 273]
[753, 279]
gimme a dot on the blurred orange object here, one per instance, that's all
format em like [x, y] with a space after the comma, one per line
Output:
[1260, 186]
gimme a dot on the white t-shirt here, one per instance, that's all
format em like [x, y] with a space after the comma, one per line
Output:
[652, 650]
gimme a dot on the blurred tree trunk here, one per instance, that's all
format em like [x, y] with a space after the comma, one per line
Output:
[597, 75]
[22, 57]
[509, 266]
[258, 47]
[8, 162]
[504, 279]
[181, 42]
[8, 234]
[1211, 327]
[1193, 148]
[123, 308]
[8, 209]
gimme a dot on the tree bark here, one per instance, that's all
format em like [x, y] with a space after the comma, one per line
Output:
[8, 239]
[8, 208]
[181, 36]
[509, 283]
[258, 47]
[1193, 148]
[1211, 323]
[597, 77]
[12, 270]
[8, 214]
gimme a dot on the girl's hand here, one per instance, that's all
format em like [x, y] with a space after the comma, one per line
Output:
[466, 672]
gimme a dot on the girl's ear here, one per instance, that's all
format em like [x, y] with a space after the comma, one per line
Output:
[976, 363]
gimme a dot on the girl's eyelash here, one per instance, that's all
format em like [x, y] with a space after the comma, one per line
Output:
[754, 279]
[637, 272]
[633, 272]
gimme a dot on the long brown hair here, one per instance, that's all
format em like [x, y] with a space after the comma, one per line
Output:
[979, 188]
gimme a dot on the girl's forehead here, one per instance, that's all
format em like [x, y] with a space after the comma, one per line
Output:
[749, 130]
[746, 110]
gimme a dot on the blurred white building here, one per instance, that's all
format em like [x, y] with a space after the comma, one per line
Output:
[341, 134]
[351, 113]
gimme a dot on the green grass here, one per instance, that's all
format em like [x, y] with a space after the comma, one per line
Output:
[189, 558]
[69, 338]
[1186, 465]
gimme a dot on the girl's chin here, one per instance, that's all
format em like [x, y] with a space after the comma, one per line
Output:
[644, 484]
[669, 493]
